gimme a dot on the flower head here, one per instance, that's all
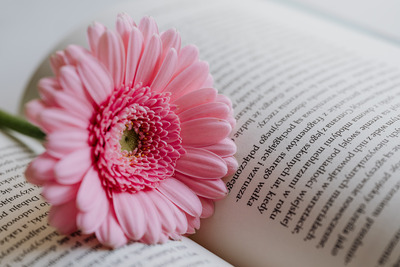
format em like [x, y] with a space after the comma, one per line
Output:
[136, 137]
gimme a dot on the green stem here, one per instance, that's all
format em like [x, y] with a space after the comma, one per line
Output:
[20, 125]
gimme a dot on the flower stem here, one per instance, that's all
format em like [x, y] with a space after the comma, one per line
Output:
[20, 125]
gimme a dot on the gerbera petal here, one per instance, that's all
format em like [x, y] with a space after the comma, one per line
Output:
[54, 119]
[63, 217]
[170, 39]
[61, 143]
[57, 60]
[71, 168]
[177, 215]
[73, 105]
[181, 195]
[148, 62]
[232, 165]
[201, 164]
[148, 27]
[130, 214]
[166, 71]
[41, 169]
[71, 84]
[224, 99]
[110, 233]
[208, 82]
[33, 109]
[224, 148]
[153, 232]
[231, 120]
[94, 32]
[75, 53]
[47, 87]
[89, 221]
[165, 211]
[111, 53]
[208, 207]
[212, 109]
[181, 221]
[124, 26]
[96, 79]
[195, 98]
[57, 194]
[90, 192]
[163, 238]
[204, 131]
[188, 80]
[175, 236]
[187, 56]
[208, 188]
[133, 54]
[193, 224]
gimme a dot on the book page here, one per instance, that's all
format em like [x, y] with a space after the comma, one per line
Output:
[318, 111]
[27, 240]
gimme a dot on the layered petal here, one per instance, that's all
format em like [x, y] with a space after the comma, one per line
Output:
[223, 148]
[124, 25]
[41, 169]
[208, 188]
[33, 109]
[133, 54]
[130, 214]
[57, 60]
[181, 196]
[75, 106]
[188, 80]
[91, 192]
[71, 168]
[72, 85]
[47, 88]
[208, 207]
[149, 28]
[170, 39]
[89, 221]
[55, 119]
[193, 224]
[75, 54]
[202, 164]
[187, 56]
[94, 32]
[58, 194]
[110, 232]
[165, 210]
[152, 218]
[195, 98]
[63, 217]
[208, 82]
[231, 164]
[166, 71]
[111, 53]
[208, 110]
[97, 81]
[149, 61]
[204, 131]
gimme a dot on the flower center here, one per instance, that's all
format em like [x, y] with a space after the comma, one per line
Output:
[129, 140]
[136, 140]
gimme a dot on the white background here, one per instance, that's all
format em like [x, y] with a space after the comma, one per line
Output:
[29, 29]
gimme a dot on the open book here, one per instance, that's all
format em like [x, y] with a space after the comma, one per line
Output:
[318, 136]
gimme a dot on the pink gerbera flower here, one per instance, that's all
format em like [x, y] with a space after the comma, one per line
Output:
[137, 138]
